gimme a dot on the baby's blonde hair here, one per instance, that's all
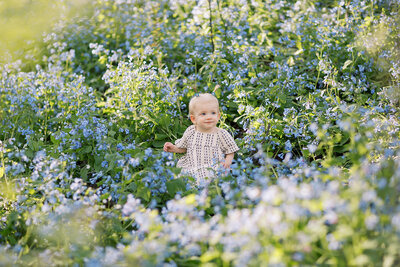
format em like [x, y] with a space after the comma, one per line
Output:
[196, 98]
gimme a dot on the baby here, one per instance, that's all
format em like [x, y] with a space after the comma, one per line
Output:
[206, 146]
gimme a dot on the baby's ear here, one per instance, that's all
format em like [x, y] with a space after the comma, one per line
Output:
[192, 118]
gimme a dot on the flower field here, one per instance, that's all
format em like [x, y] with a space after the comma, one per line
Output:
[310, 90]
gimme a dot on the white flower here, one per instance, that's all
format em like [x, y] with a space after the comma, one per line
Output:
[312, 148]
[131, 205]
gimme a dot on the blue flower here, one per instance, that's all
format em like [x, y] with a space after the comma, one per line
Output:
[104, 164]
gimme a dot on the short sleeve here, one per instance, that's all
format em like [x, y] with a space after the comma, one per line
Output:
[228, 144]
[183, 142]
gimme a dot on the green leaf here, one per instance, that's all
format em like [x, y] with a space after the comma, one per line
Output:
[176, 185]
[33, 145]
[143, 192]
[131, 187]
[54, 140]
[158, 143]
[84, 172]
[347, 63]
[29, 153]
[209, 256]
[97, 163]
[164, 121]
[105, 196]
[175, 170]
[87, 149]
[298, 52]
[111, 165]
[160, 136]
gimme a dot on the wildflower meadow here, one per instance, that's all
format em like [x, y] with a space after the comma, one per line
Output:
[309, 89]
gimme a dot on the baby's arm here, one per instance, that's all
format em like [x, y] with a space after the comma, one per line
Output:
[228, 160]
[169, 147]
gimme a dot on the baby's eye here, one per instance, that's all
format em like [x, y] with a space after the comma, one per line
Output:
[203, 113]
[213, 112]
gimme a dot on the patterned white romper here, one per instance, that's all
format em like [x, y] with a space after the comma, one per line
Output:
[204, 152]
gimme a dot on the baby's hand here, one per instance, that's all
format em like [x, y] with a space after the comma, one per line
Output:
[227, 165]
[169, 147]
[228, 161]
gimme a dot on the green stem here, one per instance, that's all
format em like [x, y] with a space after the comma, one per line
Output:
[211, 26]
[223, 21]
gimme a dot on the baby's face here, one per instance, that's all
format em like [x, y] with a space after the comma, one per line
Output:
[206, 115]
